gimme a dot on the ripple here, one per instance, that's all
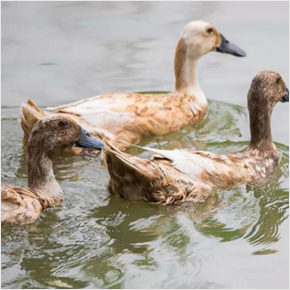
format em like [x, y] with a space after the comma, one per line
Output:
[98, 240]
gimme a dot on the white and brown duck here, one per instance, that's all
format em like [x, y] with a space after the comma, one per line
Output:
[174, 176]
[125, 118]
[22, 205]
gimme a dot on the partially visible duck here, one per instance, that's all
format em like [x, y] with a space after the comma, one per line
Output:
[125, 118]
[22, 205]
[174, 176]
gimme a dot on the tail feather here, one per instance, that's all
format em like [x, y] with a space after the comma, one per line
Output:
[30, 114]
[153, 180]
[120, 164]
[160, 154]
[132, 177]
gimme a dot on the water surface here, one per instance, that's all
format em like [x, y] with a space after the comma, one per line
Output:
[63, 51]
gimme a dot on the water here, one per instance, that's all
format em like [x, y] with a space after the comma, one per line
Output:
[60, 52]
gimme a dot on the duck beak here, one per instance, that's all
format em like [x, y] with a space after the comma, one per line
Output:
[286, 96]
[227, 47]
[88, 141]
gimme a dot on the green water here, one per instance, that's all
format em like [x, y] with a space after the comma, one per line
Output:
[61, 52]
[96, 240]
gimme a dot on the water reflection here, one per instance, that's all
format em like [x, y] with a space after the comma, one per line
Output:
[95, 239]
[274, 204]
[81, 49]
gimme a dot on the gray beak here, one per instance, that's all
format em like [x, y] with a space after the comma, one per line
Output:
[286, 96]
[88, 141]
[227, 47]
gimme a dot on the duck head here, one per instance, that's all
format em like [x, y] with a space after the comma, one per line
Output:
[201, 37]
[267, 89]
[58, 132]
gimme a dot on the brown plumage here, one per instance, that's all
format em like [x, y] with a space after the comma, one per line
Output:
[125, 118]
[22, 205]
[174, 176]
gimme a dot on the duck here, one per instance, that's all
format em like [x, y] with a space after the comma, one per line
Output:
[176, 176]
[125, 118]
[23, 205]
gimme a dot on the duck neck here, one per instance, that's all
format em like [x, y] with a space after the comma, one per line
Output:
[260, 126]
[185, 67]
[40, 172]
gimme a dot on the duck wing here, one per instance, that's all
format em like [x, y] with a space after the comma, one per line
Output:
[153, 180]
[208, 168]
[104, 111]
[19, 205]
[113, 111]
[124, 118]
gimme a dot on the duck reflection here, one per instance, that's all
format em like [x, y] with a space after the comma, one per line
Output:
[108, 238]
[270, 203]
[102, 244]
[132, 226]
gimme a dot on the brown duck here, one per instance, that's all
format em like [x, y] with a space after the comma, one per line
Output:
[174, 176]
[22, 205]
[125, 118]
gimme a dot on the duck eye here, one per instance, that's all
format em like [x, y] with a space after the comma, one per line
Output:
[62, 123]
[209, 30]
[278, 80]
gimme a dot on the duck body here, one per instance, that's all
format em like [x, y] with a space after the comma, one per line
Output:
[125, 118]
[22, 205]
[174, 176]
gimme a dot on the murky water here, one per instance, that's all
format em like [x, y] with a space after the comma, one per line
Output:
[61, 52]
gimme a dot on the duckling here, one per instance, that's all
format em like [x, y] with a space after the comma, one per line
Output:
[125, 118]
[174, 176]
[22, 205]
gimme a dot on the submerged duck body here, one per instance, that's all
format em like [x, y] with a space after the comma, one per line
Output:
[125, 118]
[174, 176]
[22, 205]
